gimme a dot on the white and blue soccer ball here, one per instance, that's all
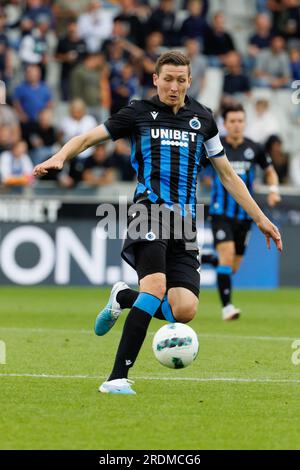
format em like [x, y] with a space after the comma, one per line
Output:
[175, 345]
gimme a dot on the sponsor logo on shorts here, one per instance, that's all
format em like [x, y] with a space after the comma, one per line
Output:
[150, 236]
[220, 235]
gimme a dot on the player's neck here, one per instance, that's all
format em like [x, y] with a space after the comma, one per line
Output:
[234, 141]
[175, 109]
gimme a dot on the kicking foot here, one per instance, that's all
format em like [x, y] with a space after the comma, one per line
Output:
[111, 312]
[230, 312]
[117, 386]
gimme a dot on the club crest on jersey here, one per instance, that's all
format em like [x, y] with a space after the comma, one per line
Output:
[249, 154]
[154, 114]
[195, 123]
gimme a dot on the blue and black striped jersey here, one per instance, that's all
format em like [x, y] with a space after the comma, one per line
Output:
[243, 159]
[166, 147]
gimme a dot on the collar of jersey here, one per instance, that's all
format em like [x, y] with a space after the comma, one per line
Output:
[156, 101]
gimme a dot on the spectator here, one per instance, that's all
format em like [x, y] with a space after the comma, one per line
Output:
[272, 67]
[31, 97]
[262, 123]
[235, 80]
[217, 41]
[195, 25]
[163, 19]
[98, 169]
[261, 39]
[9, 120]
[116, 58]
[129, 16]
[204, 9]
[198, 67]
[279, 158]
[15, 166]
[154, 42]
[70, 51]
[123, 87]
[37, 8]
[71, 175]
[89, 81]
[13, 10]
[286, 18]
[294, 170]
[119, 48]
[6, 68]
[34, 46]
[95, 25]
[294, 55]
[6, 141]
[121, 160]
[65, 11]
[42, 137]
[76, 123]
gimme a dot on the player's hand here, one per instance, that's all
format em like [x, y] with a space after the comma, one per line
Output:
[273, 199]
[270, 231]
[53, 163]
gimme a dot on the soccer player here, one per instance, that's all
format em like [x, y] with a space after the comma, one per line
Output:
[167, 133]
[230, 222]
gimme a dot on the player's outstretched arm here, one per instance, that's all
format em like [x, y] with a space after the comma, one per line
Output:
[272, 181]
[236, 187]
[72, 148]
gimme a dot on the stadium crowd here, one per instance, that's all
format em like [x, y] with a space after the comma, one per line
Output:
[65, 67]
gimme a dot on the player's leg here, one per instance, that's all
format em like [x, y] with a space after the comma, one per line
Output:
[183, 304]
[224, 243]
[183, 283]
[242, 232]
[226, 252]
[123, 297]
[237, 263]
[150, 262]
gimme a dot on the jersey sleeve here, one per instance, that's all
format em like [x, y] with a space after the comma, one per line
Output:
[262, 158]
[213, 145]
[121, 124]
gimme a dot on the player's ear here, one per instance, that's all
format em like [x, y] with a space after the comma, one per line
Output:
[155, 78]
[189, 81]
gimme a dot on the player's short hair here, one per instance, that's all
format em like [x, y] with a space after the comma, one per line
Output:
[232, 108]
[172, 58]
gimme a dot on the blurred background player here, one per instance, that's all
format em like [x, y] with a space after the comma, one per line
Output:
[230, 223]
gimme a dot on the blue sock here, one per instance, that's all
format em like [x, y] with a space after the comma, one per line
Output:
[167, 310]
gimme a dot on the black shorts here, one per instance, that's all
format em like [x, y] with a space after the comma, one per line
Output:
[226, 229]
[153, 252]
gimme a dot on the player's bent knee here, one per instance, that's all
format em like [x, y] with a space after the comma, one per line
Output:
[185, 313]
[154, 284]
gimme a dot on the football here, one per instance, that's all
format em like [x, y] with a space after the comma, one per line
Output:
[175, 345]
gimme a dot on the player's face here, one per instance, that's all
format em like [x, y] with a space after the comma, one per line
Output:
[235, 124]
[172, 84]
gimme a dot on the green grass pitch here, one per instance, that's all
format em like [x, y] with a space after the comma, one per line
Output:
[242, 392]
